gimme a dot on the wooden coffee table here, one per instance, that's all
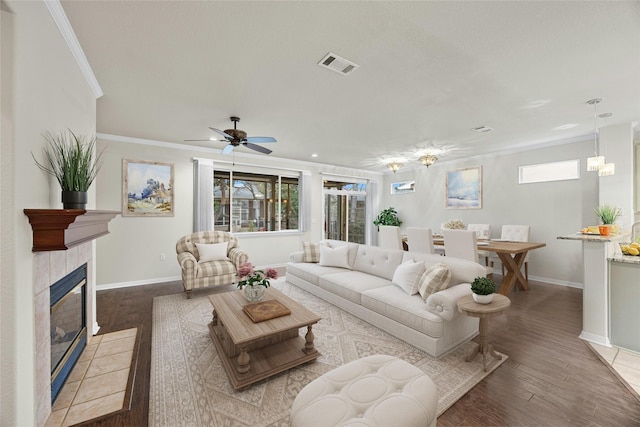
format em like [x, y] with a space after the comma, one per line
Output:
[468, 306]
[252, 351]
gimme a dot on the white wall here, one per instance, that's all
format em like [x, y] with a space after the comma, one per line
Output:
[551, 209]
[130, 253]
[47, 93]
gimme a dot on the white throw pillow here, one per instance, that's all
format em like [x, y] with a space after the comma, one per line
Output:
[407, 276]
[212, 252]
[334, 257]
[434, 279]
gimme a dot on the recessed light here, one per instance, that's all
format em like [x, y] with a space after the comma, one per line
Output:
[483, 129]
[537, 103]
[314, 155]
[565, 126]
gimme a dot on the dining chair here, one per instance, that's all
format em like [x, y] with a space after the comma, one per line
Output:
[483, 231]
[463, 244]
[420, 239]
[515, 233]
[389, 237]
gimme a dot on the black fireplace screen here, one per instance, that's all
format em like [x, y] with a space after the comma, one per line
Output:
[68, 325]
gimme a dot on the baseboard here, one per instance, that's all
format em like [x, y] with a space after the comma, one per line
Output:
[154, 281]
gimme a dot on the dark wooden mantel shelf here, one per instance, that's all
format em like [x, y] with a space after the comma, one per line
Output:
[61, 229]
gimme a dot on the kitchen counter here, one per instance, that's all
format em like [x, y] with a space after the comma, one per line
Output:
[596, 252]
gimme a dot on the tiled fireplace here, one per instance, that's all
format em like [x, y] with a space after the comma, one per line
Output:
[49, 267]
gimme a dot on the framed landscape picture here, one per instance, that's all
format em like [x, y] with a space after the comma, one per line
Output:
[464, 189]
[147, 188]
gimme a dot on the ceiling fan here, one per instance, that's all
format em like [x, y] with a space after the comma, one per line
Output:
[236, 137]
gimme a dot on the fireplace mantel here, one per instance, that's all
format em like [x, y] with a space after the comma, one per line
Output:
[61, 229]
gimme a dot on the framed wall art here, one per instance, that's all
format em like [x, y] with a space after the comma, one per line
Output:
[403, 187]
[464, 189]
[147, 188]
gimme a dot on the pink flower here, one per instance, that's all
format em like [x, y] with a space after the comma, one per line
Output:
[245, 269]
[271, 273]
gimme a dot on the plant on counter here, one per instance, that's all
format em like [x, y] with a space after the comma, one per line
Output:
[251, 277]
[607, 213]
[483, 286]
[387, 216]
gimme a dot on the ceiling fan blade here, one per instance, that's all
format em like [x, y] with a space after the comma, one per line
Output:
[257, 147]
[228, 149]
[261, 139]
[223, 134]
[200, 140]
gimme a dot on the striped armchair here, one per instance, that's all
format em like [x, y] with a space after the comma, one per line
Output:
[197, 273]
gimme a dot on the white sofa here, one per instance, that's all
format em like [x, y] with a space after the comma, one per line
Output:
[366, 291]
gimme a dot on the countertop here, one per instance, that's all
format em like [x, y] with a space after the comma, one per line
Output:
[595, 237]
[628, 259]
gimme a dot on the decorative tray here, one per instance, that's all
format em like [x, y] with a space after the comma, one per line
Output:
[265, 310]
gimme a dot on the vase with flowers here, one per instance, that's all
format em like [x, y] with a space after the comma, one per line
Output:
[254, 282]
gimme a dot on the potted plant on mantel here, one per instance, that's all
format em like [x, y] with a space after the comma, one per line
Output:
[387, 216]
[608, 215]
[483, 289]
[73, 161]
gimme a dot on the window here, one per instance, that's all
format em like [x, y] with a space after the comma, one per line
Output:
[556, 171]
[249, 202]
[345, 211]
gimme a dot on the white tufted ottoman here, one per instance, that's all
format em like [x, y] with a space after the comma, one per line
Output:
[377, 390]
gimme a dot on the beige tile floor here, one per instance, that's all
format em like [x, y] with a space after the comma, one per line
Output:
[625, 363]
[97, 384]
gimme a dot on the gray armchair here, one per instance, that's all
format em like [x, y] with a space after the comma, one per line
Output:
[198, 272]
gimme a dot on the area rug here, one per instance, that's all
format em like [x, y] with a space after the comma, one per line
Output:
[189, 386]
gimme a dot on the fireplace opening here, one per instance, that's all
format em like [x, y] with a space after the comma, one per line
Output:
[68, 325]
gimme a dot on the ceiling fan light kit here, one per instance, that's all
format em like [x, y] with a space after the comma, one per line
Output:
[236, 137]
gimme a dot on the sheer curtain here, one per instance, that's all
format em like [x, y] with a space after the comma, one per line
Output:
[304, 200]
[203, 195]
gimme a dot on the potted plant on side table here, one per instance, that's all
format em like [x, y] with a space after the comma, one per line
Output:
[608, 215]
[73, 161]
[483, 289]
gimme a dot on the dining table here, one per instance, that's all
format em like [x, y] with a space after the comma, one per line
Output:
[512, 255]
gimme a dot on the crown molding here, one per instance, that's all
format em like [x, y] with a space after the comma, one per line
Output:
[61, 20]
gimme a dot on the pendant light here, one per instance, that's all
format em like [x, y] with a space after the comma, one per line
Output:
[596, 162]
[607, 169]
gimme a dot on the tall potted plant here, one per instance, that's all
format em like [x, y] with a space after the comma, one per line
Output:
[608, 215]
[73, 161]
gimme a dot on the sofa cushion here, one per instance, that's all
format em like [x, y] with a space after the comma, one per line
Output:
[334, 257]
[407, 276]
[215, 268]
[350, 284]
[353, 248]
[212, 252]
[434, 279]
[411, 311]
[462, 270]
[311, 272]
[311, 252]
[377, 261]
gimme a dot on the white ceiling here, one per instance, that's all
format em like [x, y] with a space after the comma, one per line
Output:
[429, 73]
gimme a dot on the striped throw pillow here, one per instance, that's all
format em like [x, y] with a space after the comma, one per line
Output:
[434, 279]
[311, 252]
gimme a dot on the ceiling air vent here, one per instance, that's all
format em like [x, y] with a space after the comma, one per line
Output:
[483, 129]
[337, 64]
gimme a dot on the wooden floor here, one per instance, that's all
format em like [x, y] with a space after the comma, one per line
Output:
[550, 379]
